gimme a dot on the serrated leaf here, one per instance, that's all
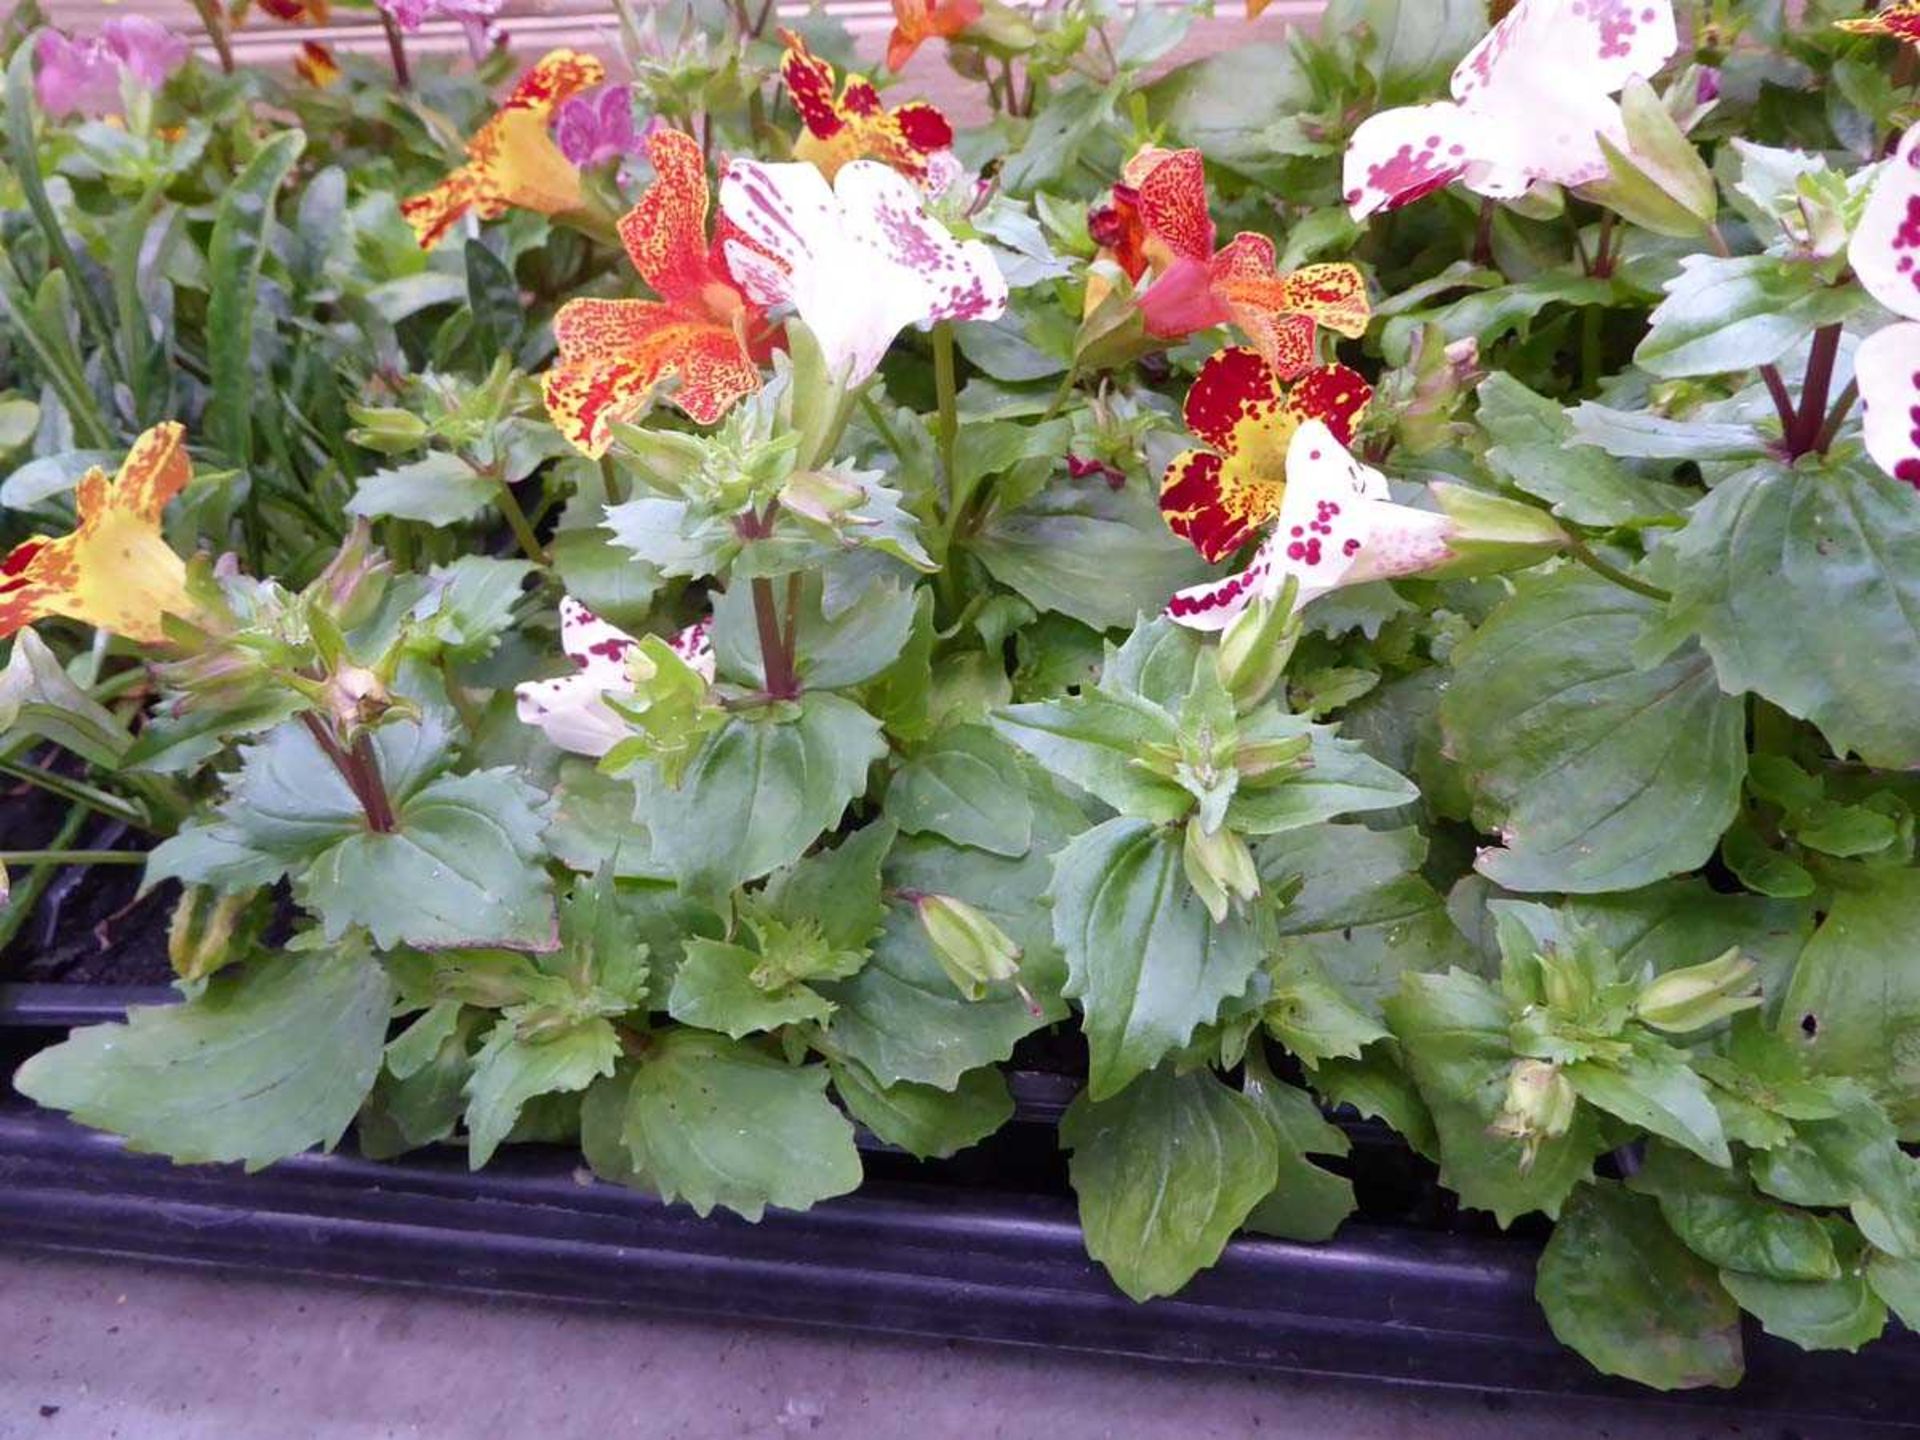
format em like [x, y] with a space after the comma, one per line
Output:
[1805, 588]
[713, 989]
[1655, 1089]
[1341, 779]
[1723, 314]
[1853, 1159]
[924, 1121]
[857, 643]
[1308, 1203]
[965, 785]
[1597, 774]
[38, 697]
[1532, 449]
[1842, 1313]
[272, 1059]
[1144, 958]
[1618, 1287]
[1718, 1216]
[509, 1071]
[717, 1122]
[442, 489]
[1165, 1171]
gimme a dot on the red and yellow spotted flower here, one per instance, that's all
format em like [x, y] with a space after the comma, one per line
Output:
[295, 12]
[702, 330]
[114, 571]
[1898, 18]
[1217, 498]
[512, 160]
[917, 21]
[315, 65]
[1156, 227]
[855, 125]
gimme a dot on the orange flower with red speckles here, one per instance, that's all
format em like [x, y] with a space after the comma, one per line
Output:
[315, 65]
[1899, 19]
[512, 161]
[114, 571]
[702, 331]
[855, 124]
[1240, 407]
[1156, 227]
[917, 21]
[297, 12]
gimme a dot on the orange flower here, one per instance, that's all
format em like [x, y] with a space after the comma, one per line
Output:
[1256, 7]
[702, 329]
[1898, 18]
[1239, 406]
[512, 160]
[114, 571]
[917, 21]
[1156, 227]
[856, 125]
[315, 65]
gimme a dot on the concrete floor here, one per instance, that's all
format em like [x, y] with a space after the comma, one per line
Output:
[91, 1351]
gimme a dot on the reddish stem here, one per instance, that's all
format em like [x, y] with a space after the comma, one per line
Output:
[360, 768]
[1812, 415]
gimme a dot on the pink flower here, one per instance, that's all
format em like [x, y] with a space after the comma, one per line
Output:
[475, 16]
[595, 128]
[77, 76]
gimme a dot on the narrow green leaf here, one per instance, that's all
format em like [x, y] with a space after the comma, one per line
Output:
[235, 254]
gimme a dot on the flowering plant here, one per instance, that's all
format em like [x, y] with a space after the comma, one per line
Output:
[692, 656]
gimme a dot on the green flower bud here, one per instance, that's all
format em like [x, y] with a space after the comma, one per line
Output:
[823, 496]
[973, 950]
[1220, 868]
[1658, 181]
[1539, 1106]
[1255, 648]
[1683, 1000]
[200, 937]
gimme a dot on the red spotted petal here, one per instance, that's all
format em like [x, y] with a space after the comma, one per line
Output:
[1216, 505]
[1172, 189]
[1233, 386]
[613, 353]
[809, 81]
[666, 231]
[1332, 394]
[557, 77]
[1182, 301]
[1899, 19]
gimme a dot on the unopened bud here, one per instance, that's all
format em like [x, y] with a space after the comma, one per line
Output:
[1220, 869]
[386, 428]
[1683, 1000]
[822, 496]
[201, 934]
[354, 580]
[1538, 1106]
[355, 698]
[973, 950]
[1491, 534]
[1256, 646]
[1257, 760]
[1658, 180]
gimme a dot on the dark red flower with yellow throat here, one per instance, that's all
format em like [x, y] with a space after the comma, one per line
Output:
[1218, 497]
[702, 331]
[855, 124]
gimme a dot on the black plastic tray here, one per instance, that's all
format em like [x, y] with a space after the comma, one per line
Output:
[903, 1256]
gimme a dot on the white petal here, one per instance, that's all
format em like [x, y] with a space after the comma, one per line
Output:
[1397, 156]
[599, 649]
[1600, 44]
[1212, 606]
[1885, 249]
[956, 280]
[1887, 366]
[1337, 527]
[695, 646]
[572, 713]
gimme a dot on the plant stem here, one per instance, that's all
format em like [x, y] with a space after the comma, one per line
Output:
[73, 857]
[947, 398]
[1483, 235]
[1590, 347]
[518, 523]
[396, 51]
[360, 768]
[1782, 401]
[215, 25]
[1608, 570]
[1603, 249]
[775, 660]
[1842, 407]
[612, 483]
[77, 792]
[1060, 395]
[1812, 415]
[20, 904]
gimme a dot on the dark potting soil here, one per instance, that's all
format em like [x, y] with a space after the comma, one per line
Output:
[87, 928]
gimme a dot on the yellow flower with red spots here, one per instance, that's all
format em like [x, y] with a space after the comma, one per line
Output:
[295, 12]
[1156, 228]
[512, 161]
[917, 21]
[114, 571]
[702, 331]
[315, 65]
[1240, 407]
[1899, 19]
[855, 125]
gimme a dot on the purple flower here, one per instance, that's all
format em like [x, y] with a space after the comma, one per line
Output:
[83, 76]
[597, 127]
[475, 16]
[1707, 88]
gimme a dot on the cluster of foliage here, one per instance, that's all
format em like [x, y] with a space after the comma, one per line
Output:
[689, 726]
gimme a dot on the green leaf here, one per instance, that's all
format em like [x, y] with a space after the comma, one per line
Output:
[1452, 1030]
[1853, 1007]
[272, 1059]
[718, 1122]
[235, 253]
[1100, 557]
[838, 889]
[1311, 1015]
[1166, 1170]
[1144, 958]
[1342, 779]
[1643, 435]
[1732, 313]
[470, 603]
[1596, 773]
[1533, 449]
[1378, 1086]
[713, 988]
[1805, 588]
[967, 786]
[421, 1095]
[1618, 1287]
[1681, 922]
[1414, 42]
[1092, 739]
[1656, 1089]
[1855, 1160]
[1307, 1203]
[441, 489]
[760, 791]
[493, 300]
[1897, 1282]
[461, 868]
[856, 644]
[926, 1122]
[1718, 1216]
[509, 1071]
[38, 697]
[1843, 1313]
